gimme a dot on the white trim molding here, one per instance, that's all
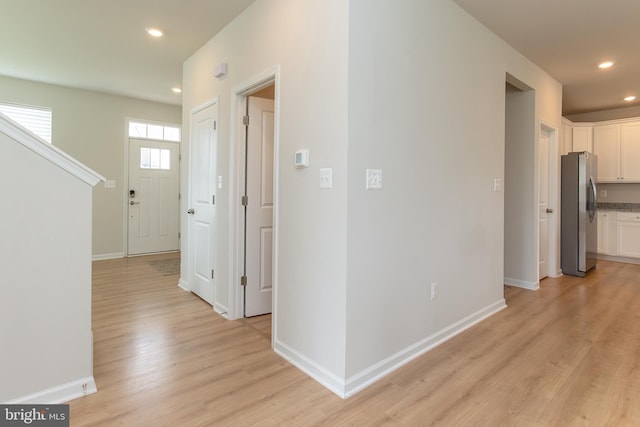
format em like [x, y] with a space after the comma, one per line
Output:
[59, 394]
[363, 379]
[375, 372]
[331, 381]
[102, 257]
[532, 286]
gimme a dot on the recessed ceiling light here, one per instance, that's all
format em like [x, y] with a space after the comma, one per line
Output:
[630, 98]
[606, 64]
[176, 90]
[154, 32]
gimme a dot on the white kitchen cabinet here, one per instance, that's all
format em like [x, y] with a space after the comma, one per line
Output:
[628, 234]
[605, 219]
[617, 147]
[606, 146]
[582, 138]
[630, 152]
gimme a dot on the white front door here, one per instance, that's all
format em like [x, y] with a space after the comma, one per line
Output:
[259, 210]
[153, 204]
[544, 206]
[204, 145]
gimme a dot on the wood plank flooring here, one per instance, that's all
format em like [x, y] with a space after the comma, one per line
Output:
[566, 355]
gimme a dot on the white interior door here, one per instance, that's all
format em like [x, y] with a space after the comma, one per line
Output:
[202, 212]
[154, 186]
[544, 206]
[259, 211]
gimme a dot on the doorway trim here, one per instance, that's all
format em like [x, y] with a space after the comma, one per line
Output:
[239, 94]
[554, 196]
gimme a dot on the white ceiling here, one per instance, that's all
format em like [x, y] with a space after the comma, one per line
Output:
[101, 44]
[568, 39]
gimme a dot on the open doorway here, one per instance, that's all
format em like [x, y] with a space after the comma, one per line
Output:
[254, 174]
[257, 201]
[521, 235]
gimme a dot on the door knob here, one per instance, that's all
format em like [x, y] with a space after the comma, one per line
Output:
[549, 210]
[191, 211]
[133, 203]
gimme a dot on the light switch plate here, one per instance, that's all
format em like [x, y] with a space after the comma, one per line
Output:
[110, 183]
[497, 185]
[374, 179]
[326, 178]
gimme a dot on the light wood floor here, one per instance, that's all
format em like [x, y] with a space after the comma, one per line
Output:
[567, 355]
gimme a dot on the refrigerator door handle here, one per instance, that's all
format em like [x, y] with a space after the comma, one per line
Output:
[593, 205]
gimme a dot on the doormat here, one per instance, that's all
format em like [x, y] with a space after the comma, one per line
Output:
[166, 267]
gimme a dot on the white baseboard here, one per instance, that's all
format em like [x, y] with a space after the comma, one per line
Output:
[532, 286]
[311, 368]
[221, 310]
[365, 378]
[183, 285]
[102, 257]
[59, 394]
[375, 372]
[616, 258]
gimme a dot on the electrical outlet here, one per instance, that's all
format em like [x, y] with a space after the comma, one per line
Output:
[326, 180]
[374, 179]
[434, 290]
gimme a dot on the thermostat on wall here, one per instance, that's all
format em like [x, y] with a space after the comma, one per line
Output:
[302, 159]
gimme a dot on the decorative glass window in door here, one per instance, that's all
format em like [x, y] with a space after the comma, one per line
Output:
[155, 158]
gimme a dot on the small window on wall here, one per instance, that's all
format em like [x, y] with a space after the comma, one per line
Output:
[155, 158]
[154, 131]
[35, 119]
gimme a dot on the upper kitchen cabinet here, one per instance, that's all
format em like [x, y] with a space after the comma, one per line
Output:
[606, 146]
[582, 138]
[630, 152]
[618, 149]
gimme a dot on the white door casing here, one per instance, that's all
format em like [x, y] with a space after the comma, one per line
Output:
[259, 211]
[153, 207]
[543, 190]
[202, 211]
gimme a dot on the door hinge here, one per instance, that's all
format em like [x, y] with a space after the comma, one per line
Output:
[215, 125]
[179, 196]
[213, 199]
[178, 235]
[212, 274]
[245, 120]
[243, 281]
[245, 200]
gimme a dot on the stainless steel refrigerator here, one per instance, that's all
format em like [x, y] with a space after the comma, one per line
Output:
[579, 225]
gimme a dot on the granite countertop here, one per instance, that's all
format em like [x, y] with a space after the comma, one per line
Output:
[620, 207]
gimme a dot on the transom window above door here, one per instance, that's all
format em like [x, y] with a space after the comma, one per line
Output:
[143, 130]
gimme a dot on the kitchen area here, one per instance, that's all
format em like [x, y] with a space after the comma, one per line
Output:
[616, 144]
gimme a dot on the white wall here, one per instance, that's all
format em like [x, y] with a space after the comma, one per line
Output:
[45, 320]
[520, 237]
[90, 126]
[427, 105]
[417, 89]
[308, 41]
